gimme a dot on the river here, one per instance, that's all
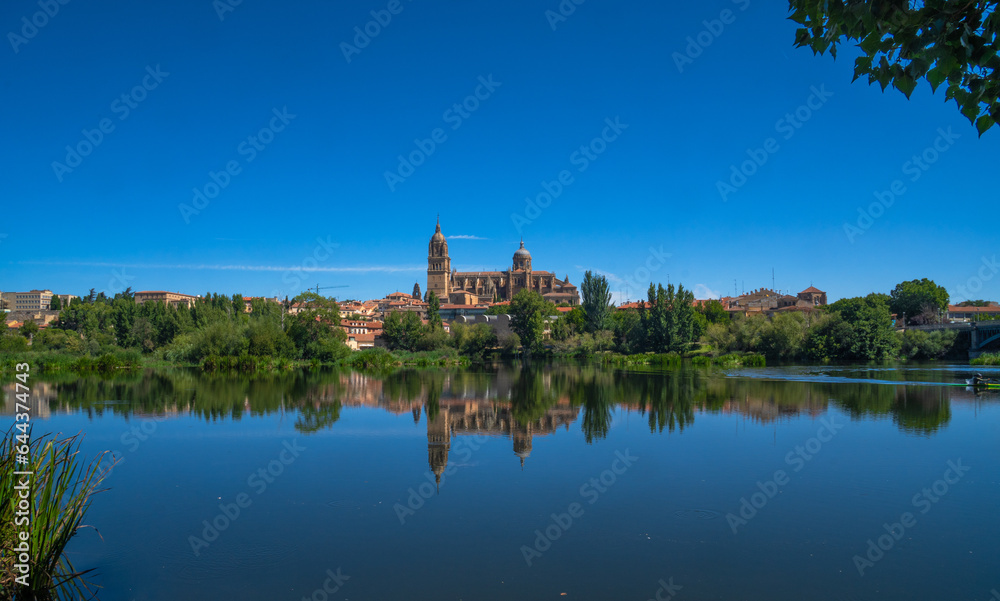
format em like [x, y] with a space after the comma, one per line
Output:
[560, 481]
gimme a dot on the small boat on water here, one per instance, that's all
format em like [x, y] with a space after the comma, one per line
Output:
[979, 381]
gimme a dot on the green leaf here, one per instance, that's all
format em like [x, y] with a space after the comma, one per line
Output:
[905, 84]
[971, 110]
[871, 43]
[936, 77]
[984, 123]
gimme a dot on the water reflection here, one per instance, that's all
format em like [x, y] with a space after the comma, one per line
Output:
[517, 403]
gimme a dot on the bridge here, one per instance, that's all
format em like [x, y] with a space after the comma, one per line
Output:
[982, 333]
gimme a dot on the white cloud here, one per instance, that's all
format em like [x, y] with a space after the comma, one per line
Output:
[466, 237]
[612, 278]
[701, 291]
[223, 267]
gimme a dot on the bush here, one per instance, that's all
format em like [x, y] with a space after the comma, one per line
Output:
[987, 359]
[371, 358]
[919, 344]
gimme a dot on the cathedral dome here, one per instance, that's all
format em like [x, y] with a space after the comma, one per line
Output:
[522, 252]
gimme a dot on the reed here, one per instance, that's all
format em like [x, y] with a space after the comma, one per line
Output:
[61, 489]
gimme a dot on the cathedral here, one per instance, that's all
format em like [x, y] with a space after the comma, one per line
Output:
[476, 287]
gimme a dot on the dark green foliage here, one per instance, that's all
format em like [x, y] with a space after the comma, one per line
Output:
[433, 311]
[667, 319]
[920, 300]
[859, 329]
[529, 312]
[596, 302]
[902, 42]
[402, 330]
[918, 344]
[28, 329]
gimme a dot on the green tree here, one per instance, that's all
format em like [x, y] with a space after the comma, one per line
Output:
[865, 332]
[498, 309]
[784, 337]
[902, 42]
[433, 311]
[596, 302]
[402, 330]
[316, 329]
[55, 304]
[920, 300]
[478, 340]
[714, 312]
[29, 328]
[528, 312]
[668, 318]
[974, 303]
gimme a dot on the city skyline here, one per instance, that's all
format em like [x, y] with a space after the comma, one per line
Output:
[232, 148]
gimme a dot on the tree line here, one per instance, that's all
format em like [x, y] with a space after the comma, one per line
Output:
[214, 326]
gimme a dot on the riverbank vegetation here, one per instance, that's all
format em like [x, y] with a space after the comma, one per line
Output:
[987, 359]
[218, 333]
[60, 489]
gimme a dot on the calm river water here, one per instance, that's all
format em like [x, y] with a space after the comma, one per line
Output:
[564, 481]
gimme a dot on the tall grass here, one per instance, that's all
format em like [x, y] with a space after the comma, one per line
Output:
[731, 360]
[986, 359]
[56, 361]
[657, 359]
[61, 489]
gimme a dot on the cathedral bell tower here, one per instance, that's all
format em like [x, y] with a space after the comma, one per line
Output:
[438, 265]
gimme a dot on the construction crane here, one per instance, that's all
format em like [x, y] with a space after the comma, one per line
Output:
[318, 288]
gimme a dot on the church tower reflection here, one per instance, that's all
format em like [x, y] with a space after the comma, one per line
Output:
[465, 417]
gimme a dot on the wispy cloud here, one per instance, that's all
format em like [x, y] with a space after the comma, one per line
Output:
[701, 291]
[318, 269]
[466, 237]
[612, 278]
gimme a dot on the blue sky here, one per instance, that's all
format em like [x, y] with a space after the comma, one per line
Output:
[291, 121]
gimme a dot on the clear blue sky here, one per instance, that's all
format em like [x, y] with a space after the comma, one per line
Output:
[212, 83]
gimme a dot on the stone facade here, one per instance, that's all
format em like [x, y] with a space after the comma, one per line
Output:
[474, 287]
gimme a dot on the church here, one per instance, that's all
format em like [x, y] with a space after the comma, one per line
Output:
[478, 287]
